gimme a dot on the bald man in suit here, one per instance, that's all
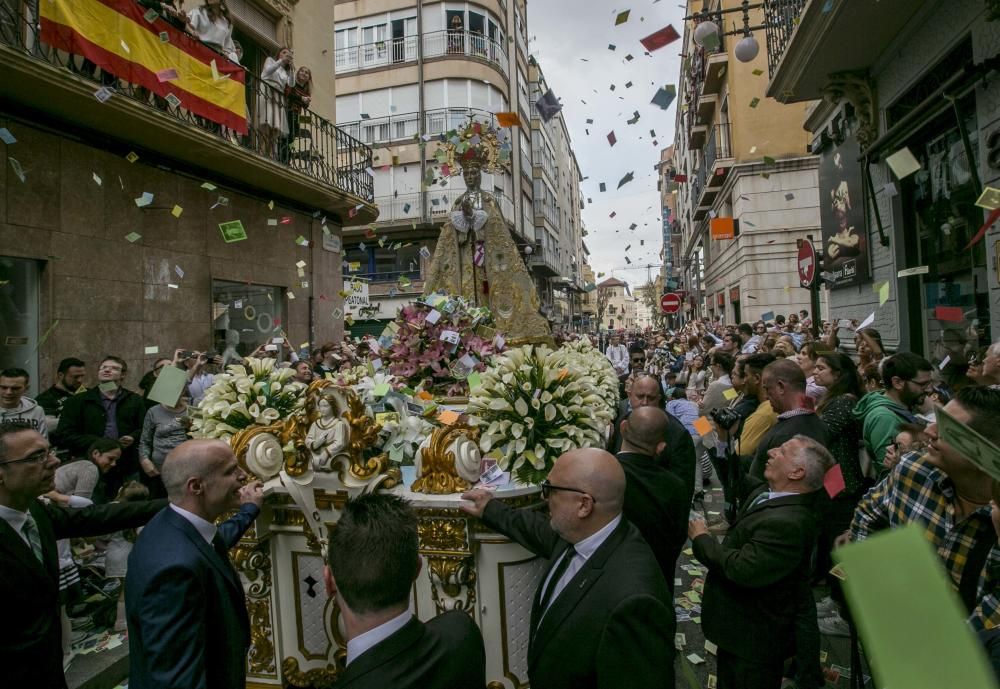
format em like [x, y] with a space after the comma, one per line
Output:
[602, 617]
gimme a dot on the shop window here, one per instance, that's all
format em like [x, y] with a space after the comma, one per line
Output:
[19, 317]
[244, 317]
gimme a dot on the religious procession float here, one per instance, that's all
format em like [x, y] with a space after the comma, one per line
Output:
[465, 387]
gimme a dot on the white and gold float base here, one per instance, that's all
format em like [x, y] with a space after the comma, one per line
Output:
[297, 640]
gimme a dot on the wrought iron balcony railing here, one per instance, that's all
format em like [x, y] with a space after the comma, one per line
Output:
[780, 20]
[401, 127]
[311, 144]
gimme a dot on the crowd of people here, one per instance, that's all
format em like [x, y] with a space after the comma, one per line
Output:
[767, 409]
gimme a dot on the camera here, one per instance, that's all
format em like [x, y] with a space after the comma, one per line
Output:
[725, 417]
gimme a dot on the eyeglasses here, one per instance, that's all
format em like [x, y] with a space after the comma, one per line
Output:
[547, 489]
[33, 458]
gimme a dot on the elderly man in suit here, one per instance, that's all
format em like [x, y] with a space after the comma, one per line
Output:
[373, 562]
[602, 617]
[187, 615]
[758, 578]
[30, 639]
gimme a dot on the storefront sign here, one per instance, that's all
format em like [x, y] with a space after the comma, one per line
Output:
[734, 294]
[723, 228]
[720, 299]
[357, 300]
[842, 209]
[331, 242]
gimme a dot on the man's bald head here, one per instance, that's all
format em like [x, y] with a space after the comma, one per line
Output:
[644, 430]
[590, 472]
[191, 459]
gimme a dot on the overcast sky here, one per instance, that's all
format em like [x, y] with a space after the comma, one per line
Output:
[570, 39]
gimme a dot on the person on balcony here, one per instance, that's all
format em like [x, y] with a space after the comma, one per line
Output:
[275, 78]
[299, 95]
[456, 35]
[212, 25]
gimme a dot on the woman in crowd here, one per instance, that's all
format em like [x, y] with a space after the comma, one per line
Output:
[163, 429]
[148, 380]
[871, 378]
[76, 484]
[911, 438]
[276, 77]
[299, 97]
[693, 378]
[869, 345]
[838, 375]
[784, 347]
[806, 359]
[212, 25]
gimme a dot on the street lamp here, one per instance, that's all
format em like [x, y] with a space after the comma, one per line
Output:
[708, 25]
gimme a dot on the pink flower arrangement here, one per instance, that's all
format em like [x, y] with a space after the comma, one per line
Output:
[419, 355]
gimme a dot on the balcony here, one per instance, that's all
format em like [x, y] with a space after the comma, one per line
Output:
[707, 106]
[548, 212]
[391, 276]
[380, 131]
[406, 209]
[696, 136]
[807, 40]
[542, 261]
[398, 51]
[714, 168]
[322, 166]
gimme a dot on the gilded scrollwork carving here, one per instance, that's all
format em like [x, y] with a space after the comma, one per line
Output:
[317, 678]
[439, 471]
[253, 561]
[443, 534]
[858, 89]
[260, 659]
[453, 582]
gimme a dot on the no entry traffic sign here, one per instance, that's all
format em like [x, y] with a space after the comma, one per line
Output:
[807, 263]
[670, 302]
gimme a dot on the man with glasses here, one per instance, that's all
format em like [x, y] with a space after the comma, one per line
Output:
[907, 378]
[31, 639]
[602, 616]
[106, 410]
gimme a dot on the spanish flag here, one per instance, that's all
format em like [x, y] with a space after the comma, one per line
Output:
[122, 38]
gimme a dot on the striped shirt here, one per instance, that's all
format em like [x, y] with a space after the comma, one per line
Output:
[916, 491]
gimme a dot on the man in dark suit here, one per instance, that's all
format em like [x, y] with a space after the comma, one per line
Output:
[655, 499]
[602, 617]
[758, 578]
[678, 451]
[187, 615]
[30, 639]
[373, 563]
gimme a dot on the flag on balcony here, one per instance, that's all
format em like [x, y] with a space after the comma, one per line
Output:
[117, 36]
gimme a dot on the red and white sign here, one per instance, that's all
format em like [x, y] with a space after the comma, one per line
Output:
[670, 303]
[807, 263]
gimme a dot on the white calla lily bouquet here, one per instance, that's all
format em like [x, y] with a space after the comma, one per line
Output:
[535, 404]
[254, 394]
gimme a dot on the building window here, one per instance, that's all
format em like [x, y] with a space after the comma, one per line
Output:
[244, 317]
[19, 316]
[346, 49]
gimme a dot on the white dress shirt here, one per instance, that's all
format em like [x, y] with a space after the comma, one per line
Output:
[360, 644]
[618, 356]
[584, 549]
[16, 520]
[204, 527]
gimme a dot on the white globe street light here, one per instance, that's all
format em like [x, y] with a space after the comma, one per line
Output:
[704, 30]
[746, 50]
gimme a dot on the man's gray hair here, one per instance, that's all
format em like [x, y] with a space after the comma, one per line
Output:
[815, 459]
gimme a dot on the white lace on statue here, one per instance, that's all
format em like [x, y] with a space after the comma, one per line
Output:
[327, 436]
[464, 223]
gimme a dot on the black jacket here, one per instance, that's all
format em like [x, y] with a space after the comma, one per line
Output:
[677, 456]
[613, 625]
[446, 652]
[809, 425]
[30, 638]
[83, 419]
[757, 575]
[656, 503]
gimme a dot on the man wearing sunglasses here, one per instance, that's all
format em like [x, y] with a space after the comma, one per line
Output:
[31, 640]
[602, 616]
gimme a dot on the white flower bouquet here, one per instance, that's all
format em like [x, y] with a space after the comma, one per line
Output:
[536, 403]
[242, 397]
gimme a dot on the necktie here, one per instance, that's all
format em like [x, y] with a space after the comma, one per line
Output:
[30, 531]
[556, 576]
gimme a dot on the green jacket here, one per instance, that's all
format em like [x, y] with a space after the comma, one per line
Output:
[882, 418]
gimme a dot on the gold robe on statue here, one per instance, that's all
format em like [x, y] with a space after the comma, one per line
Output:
[509, 292]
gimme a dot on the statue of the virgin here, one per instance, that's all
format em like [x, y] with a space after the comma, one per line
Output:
[476, 257]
